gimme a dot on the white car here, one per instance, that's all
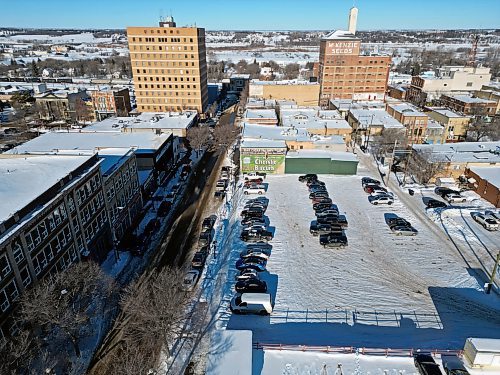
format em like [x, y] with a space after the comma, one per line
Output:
[247, 274]
[455, 198]
[190, 280]
[251, 303]
[254, 189]
[381, 192]
[254, 253]
[494, 215]
[253, 176]
[485, 220]
[381, 199]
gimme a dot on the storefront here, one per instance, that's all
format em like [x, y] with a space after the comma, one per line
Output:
[263, 156]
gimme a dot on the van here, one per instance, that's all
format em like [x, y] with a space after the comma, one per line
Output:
[251, 303]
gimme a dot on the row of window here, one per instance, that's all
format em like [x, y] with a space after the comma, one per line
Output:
[161, 40]
[161, 108]
[152, 86]
[42, 259]
[85, 191]
[161, 48]
[168, 78]
[342, 88]
[170, 64]
[360, 62]
[95, 226]
[92, 207]
[45, 227]
[8, 295]
[142, 100]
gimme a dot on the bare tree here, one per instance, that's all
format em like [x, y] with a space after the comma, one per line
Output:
[224, 135]
[383, 144]
[154, 312]
[423, 166]
[481, 130]
[61, 309]
[199, 138]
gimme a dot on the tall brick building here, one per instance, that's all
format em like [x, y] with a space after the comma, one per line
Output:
[169, 67]
[345, 73]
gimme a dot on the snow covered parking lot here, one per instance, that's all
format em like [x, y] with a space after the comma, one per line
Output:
[380, 291]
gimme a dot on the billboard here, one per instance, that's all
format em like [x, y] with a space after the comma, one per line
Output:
[263, 163]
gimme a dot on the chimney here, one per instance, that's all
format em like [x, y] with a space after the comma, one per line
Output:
[353, 19]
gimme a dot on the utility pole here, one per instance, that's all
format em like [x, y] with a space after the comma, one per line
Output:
[392, 161]
[492, 277]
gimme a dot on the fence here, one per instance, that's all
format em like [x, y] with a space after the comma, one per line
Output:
[389, 352]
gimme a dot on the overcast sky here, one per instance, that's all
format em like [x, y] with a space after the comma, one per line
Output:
[253, 14]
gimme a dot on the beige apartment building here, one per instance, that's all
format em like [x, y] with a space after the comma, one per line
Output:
[169, 67]
[455, 124]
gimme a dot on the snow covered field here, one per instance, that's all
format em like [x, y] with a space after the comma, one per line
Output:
[381, 291]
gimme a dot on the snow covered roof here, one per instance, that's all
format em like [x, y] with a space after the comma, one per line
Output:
[260, 103]
[431, 124]
[491, 174]
[470, 99]
[340, 35]
[240, 76]
[316, 123]
[463, 152]
[26, 178]
[230, 353]
[407, 109]
[262, 143]
[312, 154]
[375, 117]
[283, 82]
[447, 112]
[261, 114]
[276, 133]
[145, 142]
[347, 104]
[146, 120]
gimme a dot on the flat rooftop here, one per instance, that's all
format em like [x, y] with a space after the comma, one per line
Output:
[447, 112]
[407, 109]
[277, 133]
[470, 99]
[321, 154]
[146, 120]
[375, 117]
[463, 152]
[262, 143]
[144, 142]
[491, 174]
[26, 178]
[261, 113]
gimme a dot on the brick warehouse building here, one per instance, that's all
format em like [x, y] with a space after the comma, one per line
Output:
[344, 73]
[169, 67]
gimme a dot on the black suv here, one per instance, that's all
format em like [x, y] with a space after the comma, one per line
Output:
[256, 235]
[308, 177]
[318, 228]
[252, 212]
[398, 222]
[369, 181]
[208, 223]
[426, 365]
[333, 240]
[434, 203]
[205, 238]
[251, 286]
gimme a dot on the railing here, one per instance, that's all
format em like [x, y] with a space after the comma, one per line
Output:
[388, 352]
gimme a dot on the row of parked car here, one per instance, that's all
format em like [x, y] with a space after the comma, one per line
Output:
[251, 292]
[329, 224]
[254, 183]
[200, 257]
[376, 194]
[222, 184]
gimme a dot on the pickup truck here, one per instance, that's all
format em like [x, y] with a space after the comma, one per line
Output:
[254, 189]
[253, 176]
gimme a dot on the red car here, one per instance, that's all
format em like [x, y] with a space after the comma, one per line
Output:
[371, 188]
[252, 182]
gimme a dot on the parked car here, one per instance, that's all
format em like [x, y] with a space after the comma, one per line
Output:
[328, 219]
[251, 286]
[175, 188]
[320, 206]
[309, 183]
[404, 230]
[381, 199]
[426, 365]
[254, 176]
[259, 251]
[254, 181]
[455, 198]
[255, 227]
[397, 221]
[254, 189]
[322, 200]
[316, 187]
[256, 264]
[260, 200]
[208, 223]
[371, 188]
[453, 365]
[381, 192]
[443, 191]
[434, 203]
[256, 235]
[190, 280]
[253, 221]
[333, 240]
[327, 212]
[317, 228]
[252, 212]
[246, 274]
[205, 238]
[255, 205]
[494, 215]
[220, 185]
[369, 181]
[251, 303]
[260, 246]
[485, 220]
[308, 177]
[199, 259]
[316, 194]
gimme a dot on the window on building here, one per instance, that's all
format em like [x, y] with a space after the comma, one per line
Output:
[5, 267]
